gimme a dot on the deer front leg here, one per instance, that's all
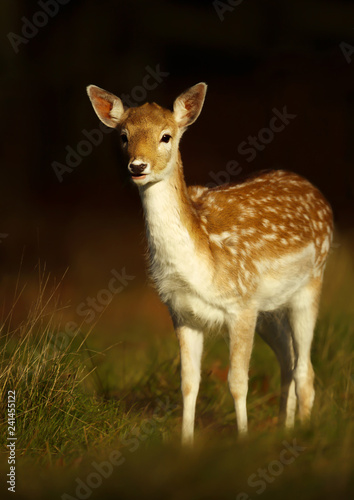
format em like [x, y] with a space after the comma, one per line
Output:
[241, 342]
[191, 348]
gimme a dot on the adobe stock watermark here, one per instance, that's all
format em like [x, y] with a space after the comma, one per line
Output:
[30, 28]
[93, 305]
[94, 137]
[130, 443]
[222, 7]
[267, 475]
[254, 144]
[347, 51]
[89, 309]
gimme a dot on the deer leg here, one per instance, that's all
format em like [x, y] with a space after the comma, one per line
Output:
[241, 343]
[303, 314]
[275, 330]
[191, 348]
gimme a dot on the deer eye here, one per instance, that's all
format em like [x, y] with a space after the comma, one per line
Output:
[124, 138]
[165, 138]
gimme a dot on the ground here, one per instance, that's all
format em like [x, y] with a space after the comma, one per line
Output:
[99, 413]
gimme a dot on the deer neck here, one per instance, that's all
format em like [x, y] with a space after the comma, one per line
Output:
[174, 235]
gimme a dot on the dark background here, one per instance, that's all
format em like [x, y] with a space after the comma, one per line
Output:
[263, 54]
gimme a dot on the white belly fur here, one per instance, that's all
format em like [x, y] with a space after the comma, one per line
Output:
[203, 307]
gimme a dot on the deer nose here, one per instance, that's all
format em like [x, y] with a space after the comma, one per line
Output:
[137, 168]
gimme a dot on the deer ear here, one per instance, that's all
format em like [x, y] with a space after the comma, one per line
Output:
[107, 106]
[188, 105]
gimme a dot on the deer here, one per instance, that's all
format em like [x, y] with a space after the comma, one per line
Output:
[234, 258]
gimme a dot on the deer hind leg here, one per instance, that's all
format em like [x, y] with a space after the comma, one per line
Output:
[303, 314]
[191, 348]
[241, 342]
[275, 330]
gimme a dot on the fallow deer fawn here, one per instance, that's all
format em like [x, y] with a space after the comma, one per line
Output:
[223, 257]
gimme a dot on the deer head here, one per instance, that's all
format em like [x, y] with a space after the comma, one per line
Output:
[149, 134]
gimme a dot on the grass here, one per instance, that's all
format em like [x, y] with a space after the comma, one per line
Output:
[98, 423]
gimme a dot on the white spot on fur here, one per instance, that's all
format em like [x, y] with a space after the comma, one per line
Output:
[270, 236]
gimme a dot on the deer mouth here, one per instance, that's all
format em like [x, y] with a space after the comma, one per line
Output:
[138, 176]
